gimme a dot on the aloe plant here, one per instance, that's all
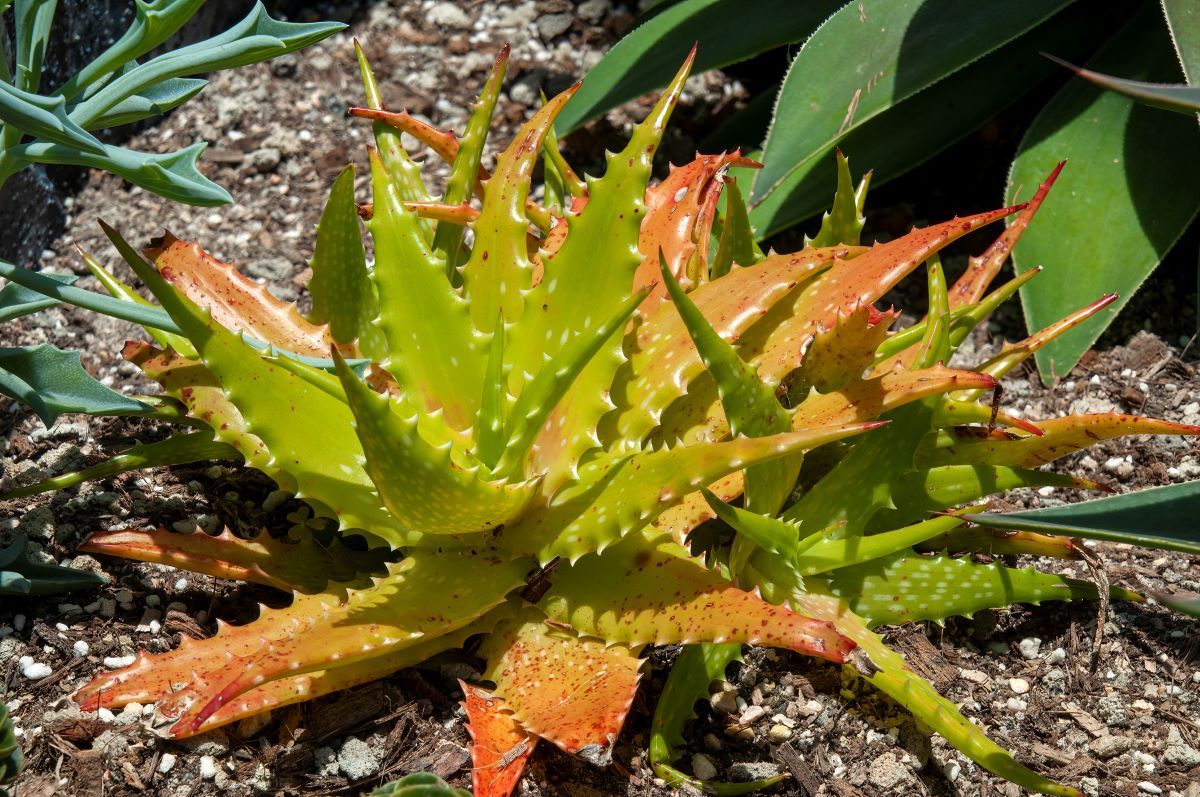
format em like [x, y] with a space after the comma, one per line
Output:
[552, 405]
[20, 575]
[11, 759]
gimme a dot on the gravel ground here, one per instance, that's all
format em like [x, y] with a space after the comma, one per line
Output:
[1130, 727]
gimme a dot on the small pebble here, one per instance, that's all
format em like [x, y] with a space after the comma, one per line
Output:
[153, 600]
[703, 767]
[123, 596]
[1149, 788]
[1030, 647]
[752, 714]
[166, 763]
[116, 662]
[105, 715]
[1016, 704]
[780, 733]
[181, 585]
[1019, 685]
[208, 767]
[81, 648]
[952, 770]
[712, 742]
[1056, 656]
[19, 624]
[34, 670]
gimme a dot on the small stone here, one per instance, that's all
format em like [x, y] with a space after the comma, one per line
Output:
[1109, 746]
[746, 771]
[35, 670]
[448, 15]
[952, 770]
[974, 676]
[1147, 787]
[712, 742]
[1056, 656]
[724, 700]
[81, 648]
[1030, 647]
[551, 26]
[105, 715]
[1019, 685]
[885, 771]
[1142, 705]
[285, 66]
[1016, 704]
[1178, 751]
[703, 767]
[1090, 786]
[593, 10]
[357, 759]
[208, 766]
[1144, 758]
[752, 714]
[123, 596]
[326, 760]
[116, 662]
[780, 733]
[166, 763]
[264, 160]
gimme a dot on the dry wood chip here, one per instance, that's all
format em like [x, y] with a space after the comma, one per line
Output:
[792, 761]
[1052, 754]
[1085, 720]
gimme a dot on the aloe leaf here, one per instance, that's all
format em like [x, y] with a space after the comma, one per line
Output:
[500, 747]
[154, 101]
[907, 587]
[44, 117]
[17, 300]
[341, 289]
[542, 394]
[173, 175]
[256, 38]
[421, 784]
[1183, 20]
[175, 450]
[499, 271]
[640, 61]
[896, 49]
[572, 692]
[1158, 517]
[1189, 606]
[11, 758]
[32, 21]
[52, 381]
[448, 238]
[19, 575]
[936, 117]
[120, 290]
[1167, 96]
[737, 244]
[1124, 190]
[154, 22]
[843, 222]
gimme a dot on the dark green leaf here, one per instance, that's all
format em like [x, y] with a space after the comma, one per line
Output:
[1160, 517]
[724, 31]
[16, 301]
[868, 57]
[52, 382]
[1131, 186]
[1183, 20]
[418, 784]
[936, 117]
[1168, 96]
[19, 575]
[737, 236]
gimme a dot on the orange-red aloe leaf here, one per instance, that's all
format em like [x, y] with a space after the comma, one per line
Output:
[665, 360]
[840, 355]
[289, 565]
[572, 692]
[849, 284]
[499, 269]
[678, 223]
[680, 520]
[237, 302]
[500, 747]
[439, 211]
[959, 413]
[999, 542]
[668, 597]
[872, 398]
[1060, 436]
[443, 143]
[981, 270]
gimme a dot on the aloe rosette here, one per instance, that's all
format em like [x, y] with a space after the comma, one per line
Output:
[528, 422]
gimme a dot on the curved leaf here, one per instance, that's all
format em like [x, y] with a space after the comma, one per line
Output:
[52, 381]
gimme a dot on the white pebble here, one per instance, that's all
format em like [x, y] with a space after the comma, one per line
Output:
[105, 715]
[952, 770]
[181, 585]
[81, 648]
[35, 670]
[703, 767]
[116, 662]
[155, 626]
[208, 767]
[19, 622]
[1149, 788]
[1030, 647]
[166, 763]
[1056, 656]
[1016, 704]
[752, 714]
[1019, 685]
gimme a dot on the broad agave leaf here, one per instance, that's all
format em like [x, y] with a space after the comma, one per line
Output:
[548, 413]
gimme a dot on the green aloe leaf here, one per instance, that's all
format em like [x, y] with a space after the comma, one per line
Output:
[647, 57]
[1189, 606]
[1168, 96]
[868, 57]
[1129, 190]
[1160, 517]
[52, 381]
[11, 760]
[418, 784]
[17, 300]
[178, 449]
[1183, 20]
[21, 576]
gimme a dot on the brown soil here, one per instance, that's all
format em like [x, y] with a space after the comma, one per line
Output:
[279, 138]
